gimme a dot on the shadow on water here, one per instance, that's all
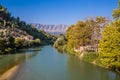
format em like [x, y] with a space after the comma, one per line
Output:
[8, 61]
[27, 50]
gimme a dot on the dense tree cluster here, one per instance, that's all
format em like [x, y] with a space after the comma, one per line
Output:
[109, 46]
[60, 42]
[81, 34]
[13, 32]
[7, 45]
[86, 32]
[98, 32]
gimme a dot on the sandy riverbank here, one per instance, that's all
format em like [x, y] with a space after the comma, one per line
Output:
[10, 74]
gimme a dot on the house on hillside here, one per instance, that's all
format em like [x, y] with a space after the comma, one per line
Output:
[87, 48]
[28, 37]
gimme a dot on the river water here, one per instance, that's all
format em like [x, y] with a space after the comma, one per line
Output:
[48, 64]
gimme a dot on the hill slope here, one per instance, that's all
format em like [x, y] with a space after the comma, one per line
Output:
[15, 34]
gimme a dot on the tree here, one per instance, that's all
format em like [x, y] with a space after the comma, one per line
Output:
[37, 42]
[116, 12]
[61, 43]
[20, 43]
[96, 25]
[109, 46]
[6, 45]
[86, 32]
[61, 40]
[78, 35]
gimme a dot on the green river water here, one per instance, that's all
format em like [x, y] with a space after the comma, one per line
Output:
[47, 64]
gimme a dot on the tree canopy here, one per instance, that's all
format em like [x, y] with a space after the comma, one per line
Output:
[109, 46]
[86, 32]
[16, 29]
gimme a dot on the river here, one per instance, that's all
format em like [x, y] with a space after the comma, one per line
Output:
[48, 64]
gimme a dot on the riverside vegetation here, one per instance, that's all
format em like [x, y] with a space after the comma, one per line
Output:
[16, 34]
[97, 33]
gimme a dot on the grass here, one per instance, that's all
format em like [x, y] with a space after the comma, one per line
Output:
[90, 56]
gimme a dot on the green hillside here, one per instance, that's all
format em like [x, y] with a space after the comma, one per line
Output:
[16, 34]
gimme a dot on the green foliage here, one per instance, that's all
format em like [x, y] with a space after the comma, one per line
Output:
[35, 42]
[49, 39]
[116, 14]
[91, 57]
[78, 35]
[20, 43]
[13, 28]
[60, 41]
[85, 32]
[109, 46]
[61, 45]
[8, 21]
[6, 45]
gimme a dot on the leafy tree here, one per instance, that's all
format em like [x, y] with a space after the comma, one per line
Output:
[61, 43]
[20, 43]
[109, 46]
[116, 12]
[14, 27]
[35, 42]
[61, 40]
[6, 45]
[78, 35]
[6, 21]
[86, 32]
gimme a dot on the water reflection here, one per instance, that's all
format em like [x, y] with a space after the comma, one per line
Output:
[79, 70]
[8, 61]
[52, 65]
[48, 64]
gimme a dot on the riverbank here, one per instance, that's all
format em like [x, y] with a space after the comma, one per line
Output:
[63, 67]
[90, 57]
[94, 59]
[10, 63]
[10, 74]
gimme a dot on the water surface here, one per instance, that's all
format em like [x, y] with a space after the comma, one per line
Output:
[48, 64]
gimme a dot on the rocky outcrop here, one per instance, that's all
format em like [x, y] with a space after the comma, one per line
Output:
[53, 29]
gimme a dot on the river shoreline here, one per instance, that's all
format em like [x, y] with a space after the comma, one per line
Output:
[10, 74]
[80, 56]
[63, 67]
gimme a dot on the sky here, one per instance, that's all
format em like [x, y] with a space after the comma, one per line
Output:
[59, 11]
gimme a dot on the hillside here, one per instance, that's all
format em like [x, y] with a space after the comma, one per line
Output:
[17, 34]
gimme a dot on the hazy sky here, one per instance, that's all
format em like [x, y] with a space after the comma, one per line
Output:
[59, 11]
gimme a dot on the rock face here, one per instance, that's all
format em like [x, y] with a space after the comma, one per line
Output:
[53, 29]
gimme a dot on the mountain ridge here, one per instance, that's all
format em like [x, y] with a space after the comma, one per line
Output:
[51, 28]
